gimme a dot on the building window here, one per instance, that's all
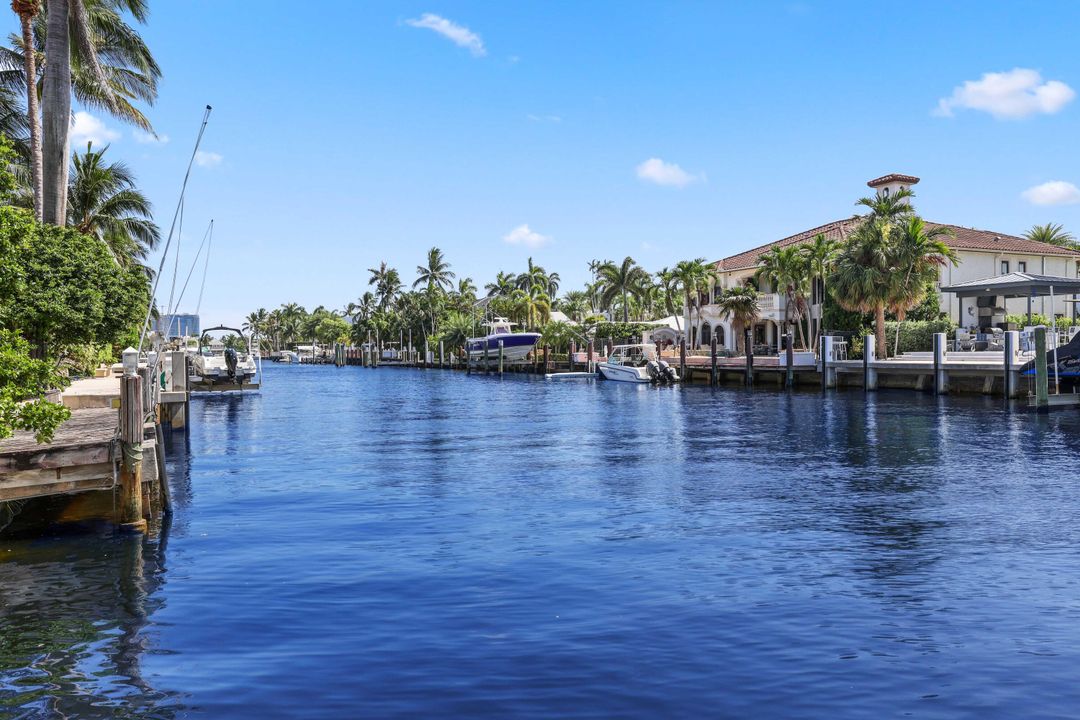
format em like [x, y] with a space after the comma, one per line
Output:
[1021, 266]
[1004, 267]
[885, 192]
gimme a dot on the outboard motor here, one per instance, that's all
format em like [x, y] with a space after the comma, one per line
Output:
[653, 368]
[230, 361]
[667, 373]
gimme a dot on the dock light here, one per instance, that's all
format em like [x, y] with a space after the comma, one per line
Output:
[130, 361]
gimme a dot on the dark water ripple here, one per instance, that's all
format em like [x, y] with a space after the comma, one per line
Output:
[356, 543]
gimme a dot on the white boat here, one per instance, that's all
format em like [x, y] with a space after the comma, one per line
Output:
[218, 365]
[636, 364]
[515, 346]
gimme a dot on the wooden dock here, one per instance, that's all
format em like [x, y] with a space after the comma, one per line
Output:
[112, 449]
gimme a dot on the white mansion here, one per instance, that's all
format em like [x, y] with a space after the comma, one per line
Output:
[981, 253]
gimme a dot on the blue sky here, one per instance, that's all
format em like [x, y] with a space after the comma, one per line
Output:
[661, 130]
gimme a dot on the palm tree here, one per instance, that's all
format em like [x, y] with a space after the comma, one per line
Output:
[1052, 234]
[457, 327]
[575, 304]
[740, 304]
[536, 275]
[785, 269]
[819, 253]
[387, 283]
[621, 281]
[691, 275]
[67, 21]
[889, 207]
[670, 286]
[503, 286]
[27, 10]
[104, 202]
[436, 274]
[863, 274]
[920, 253]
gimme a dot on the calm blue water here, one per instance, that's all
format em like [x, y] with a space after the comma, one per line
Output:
[398, 543]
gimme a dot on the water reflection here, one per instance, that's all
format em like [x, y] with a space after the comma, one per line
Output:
[73, 632]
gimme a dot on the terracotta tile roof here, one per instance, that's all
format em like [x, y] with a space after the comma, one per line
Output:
[893, 177]
[963, 239]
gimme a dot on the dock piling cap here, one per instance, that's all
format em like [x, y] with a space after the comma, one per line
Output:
[130, 360]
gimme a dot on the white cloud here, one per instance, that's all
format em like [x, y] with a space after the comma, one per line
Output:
[657, 171]
[457, 34]
[1014, 94]
[207, 159]
[523, 235]
[87, 128]
[1055, 192]
[145, 138]
[545, 118]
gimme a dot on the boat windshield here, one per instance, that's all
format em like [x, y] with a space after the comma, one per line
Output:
[633, 355]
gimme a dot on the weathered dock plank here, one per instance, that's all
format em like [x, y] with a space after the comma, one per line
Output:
[80, 457]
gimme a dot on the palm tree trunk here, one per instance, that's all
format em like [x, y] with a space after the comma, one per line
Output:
[625, 310]
[26, 18]
[879, 329]
[56, 114]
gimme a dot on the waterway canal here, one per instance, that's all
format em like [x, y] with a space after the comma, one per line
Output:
[404, 544]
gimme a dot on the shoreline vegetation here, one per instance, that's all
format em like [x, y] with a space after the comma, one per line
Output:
[882, 272]
[74, 227]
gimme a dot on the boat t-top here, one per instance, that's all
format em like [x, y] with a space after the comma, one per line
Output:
[515, 346]
[636, 364]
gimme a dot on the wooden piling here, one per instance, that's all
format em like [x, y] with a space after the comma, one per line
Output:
[487, 360]
[712, 368]
[164, 492]
[570, 356]
[789, 375]
[131, 434]
[442, 356]
[500, 358]
[1042, 375]
[590, 361]
[1010, 353]
[682, 360]
[547, 358]
[748, 341]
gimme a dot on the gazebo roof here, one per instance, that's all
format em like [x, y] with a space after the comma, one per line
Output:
[1015, 284]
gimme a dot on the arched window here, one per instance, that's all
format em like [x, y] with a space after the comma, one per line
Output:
[706, 335]
[885, 191]
[719, 330]
[693, 337]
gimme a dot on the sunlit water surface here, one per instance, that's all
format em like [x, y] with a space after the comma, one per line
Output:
[399, 543]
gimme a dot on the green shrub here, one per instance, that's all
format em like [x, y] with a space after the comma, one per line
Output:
[916, 335]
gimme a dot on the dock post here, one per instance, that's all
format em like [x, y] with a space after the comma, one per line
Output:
[712, 355]
[1009, 385]
[682, 360]
[131, 432]
[546, 357]
[941, 375]
[178, 382]
[570, 356]
[442, 354]
[589, 363]
[427, 354]
[468, 360]
[828, 374]
[487, 360]
[1042, 376]
[748, 340]
[500, 358]
[789, 375]
[869, 357]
